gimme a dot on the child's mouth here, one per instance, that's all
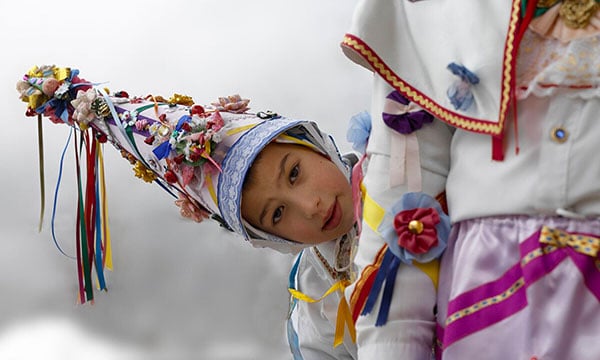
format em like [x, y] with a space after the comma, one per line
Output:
[334, 216]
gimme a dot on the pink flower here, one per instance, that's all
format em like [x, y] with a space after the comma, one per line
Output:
[233, 104]
[141, 124]
[216, 122]
[190, 210]
[416, 229]
[187, 174]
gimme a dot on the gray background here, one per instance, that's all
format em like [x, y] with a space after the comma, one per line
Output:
[179, 290]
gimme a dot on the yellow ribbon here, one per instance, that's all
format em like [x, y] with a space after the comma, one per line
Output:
[211, 188]
[587, 245]
[105, 226]
[239, 129]
[344, 317]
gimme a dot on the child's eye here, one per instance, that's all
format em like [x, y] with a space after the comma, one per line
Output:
[294, 173]
[277, 214]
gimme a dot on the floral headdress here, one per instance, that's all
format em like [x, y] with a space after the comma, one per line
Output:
[198, 153]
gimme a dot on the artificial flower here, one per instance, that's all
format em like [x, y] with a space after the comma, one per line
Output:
[170, 176]
[181, 100]
[416, 228]
[359, 131]
[82, 105]
[402, 115]
[459, 92]
[190, 210]
[233, 104]
[143, 172]
[141, 124]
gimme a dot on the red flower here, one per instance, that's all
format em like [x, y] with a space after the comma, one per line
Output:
[149, 140]
[179, 158]
[186, 127]
[170, 177]
[416, 229]
[30, 112]
[102, 138]
[197, 110]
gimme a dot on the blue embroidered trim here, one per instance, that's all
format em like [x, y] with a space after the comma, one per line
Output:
[237, 162]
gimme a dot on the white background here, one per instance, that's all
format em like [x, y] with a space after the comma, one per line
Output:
[179, 290]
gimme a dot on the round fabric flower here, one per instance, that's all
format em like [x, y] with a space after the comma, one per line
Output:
[416, 228]
[189, 210]
[359, 131]
[233, 104]
[402, 115]
[83, 112]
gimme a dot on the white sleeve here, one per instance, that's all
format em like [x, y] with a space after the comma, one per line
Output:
[311, 326]
[409, 330]
[314, 335]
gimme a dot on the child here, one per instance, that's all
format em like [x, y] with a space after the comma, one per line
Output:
[519, 279]
[276, 182]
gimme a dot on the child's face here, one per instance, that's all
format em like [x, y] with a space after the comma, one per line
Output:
[297, 194]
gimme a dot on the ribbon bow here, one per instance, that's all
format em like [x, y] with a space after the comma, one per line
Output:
[587, 245]
[344, 316]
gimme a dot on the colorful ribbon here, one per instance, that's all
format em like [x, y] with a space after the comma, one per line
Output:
[582, 244]
[92, 234]
[344, 317]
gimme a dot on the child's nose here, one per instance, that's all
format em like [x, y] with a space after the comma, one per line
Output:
[310, 204]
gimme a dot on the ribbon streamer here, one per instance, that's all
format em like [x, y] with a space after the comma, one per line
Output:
[344, 316]
[92, 234]
[405, 162]
[58, 181]
[41, 165]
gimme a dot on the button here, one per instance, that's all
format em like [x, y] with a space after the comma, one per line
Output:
[559, 135]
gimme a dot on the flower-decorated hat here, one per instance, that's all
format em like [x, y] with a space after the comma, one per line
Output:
[198, 153]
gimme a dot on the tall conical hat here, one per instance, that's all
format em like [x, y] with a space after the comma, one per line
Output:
[199, 153]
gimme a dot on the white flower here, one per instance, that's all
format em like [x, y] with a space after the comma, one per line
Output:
[83, 106]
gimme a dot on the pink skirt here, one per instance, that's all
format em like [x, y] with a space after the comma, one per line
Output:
[520, 287]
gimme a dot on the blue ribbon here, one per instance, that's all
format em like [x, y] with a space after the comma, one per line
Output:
[164, 149]
[388, 292]
[378, 282]
[386, 279]
[60, 170]
[99, 234]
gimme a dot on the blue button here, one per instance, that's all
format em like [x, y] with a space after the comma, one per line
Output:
[559, 135]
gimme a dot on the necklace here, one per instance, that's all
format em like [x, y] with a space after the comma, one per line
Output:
[343, 258]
